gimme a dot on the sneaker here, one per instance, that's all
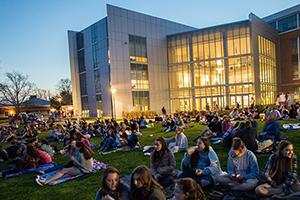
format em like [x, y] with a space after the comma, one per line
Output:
[39, 182]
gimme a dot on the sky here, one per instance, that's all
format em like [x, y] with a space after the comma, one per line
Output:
[33, 33]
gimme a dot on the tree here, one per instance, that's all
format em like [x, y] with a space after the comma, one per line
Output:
[41, 93]
[15, 89]
[64, 88]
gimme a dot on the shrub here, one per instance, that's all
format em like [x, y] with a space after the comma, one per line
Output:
[134, 114]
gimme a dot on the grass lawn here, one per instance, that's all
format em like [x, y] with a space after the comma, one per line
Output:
[24, 187]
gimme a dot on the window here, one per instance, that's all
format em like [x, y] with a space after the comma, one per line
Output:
[82, 80]
[287, 23]
[294, 58]
[95, 54]
[79, 41]
[94, 33]
[267, 69]
[81, 66]
[137, 48]
[97, 80]
[85, 106]
[140, 100]
[139, 76]
[99, 105]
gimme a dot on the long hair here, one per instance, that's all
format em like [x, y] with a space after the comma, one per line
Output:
[195, 155]
[275, 171]
[157, 155]
[104, 189]
[87, 151]
[144, 176]
[188, 185]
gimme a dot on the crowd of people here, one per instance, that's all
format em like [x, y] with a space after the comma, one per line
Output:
[200, 169]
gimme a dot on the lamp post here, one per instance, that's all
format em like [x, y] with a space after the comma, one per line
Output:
[113, 91]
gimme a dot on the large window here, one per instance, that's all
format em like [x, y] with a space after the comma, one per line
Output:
[209, 73]
[95, 54]
[139, 72]
[85, 106]
[139, 76]
[140, 100]
[240, 69]
[82, 80]
[287, 23]
[99, 106]
[220, 60]
[178, 49]
[180, 76]
[238, 41]
[81, 66]
[267, 69]
[137, 49]
[79, 41]
[294, 57]
[97, 80]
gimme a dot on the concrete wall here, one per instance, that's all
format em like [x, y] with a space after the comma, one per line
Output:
[121, 23]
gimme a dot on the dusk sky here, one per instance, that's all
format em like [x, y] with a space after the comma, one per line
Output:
[33, 33]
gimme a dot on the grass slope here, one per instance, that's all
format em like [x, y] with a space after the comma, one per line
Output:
[24, 187]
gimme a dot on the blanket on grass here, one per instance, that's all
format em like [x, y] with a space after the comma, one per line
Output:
[97, 166]
[291, 126]
[31, 170]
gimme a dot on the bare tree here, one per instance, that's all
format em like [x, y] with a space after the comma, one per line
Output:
[15, 89]
[64, 88]
[41, 93]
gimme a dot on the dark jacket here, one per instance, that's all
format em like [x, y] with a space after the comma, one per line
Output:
[166, 166]
[248, 136]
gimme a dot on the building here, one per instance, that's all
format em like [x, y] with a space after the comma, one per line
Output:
[130, 61]
[32, 105]
[287, 24]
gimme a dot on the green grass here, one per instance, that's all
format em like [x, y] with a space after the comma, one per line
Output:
[24, 187]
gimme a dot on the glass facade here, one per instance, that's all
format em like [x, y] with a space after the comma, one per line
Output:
[212, 67]
[267, 70]
[287, 23]
[294, 57]
[95, 56]
[139, 72]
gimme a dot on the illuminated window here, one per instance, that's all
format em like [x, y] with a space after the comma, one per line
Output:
[267, 69]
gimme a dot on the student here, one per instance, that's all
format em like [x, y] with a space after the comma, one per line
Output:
[34, 157]
[112, 187]
[242, 168]
[249, 136]
[181, 141]
[46, 147]
[202, 164]
[82, 165]
[188, 189]
[162, 163]
[143, 186]
[214, 129]
[280, 172]
[271, 129]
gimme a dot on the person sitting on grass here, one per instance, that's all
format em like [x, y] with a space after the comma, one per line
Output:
[130, 139]
[242, 168]
[271, 129]
[34, 157]
[112, 187]
[202, 164]
[214, 129]
[181, 141]
[110, 141]
[162, 163]
[280, 172]
[144, 187]
[82, 165]
[188, 189]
